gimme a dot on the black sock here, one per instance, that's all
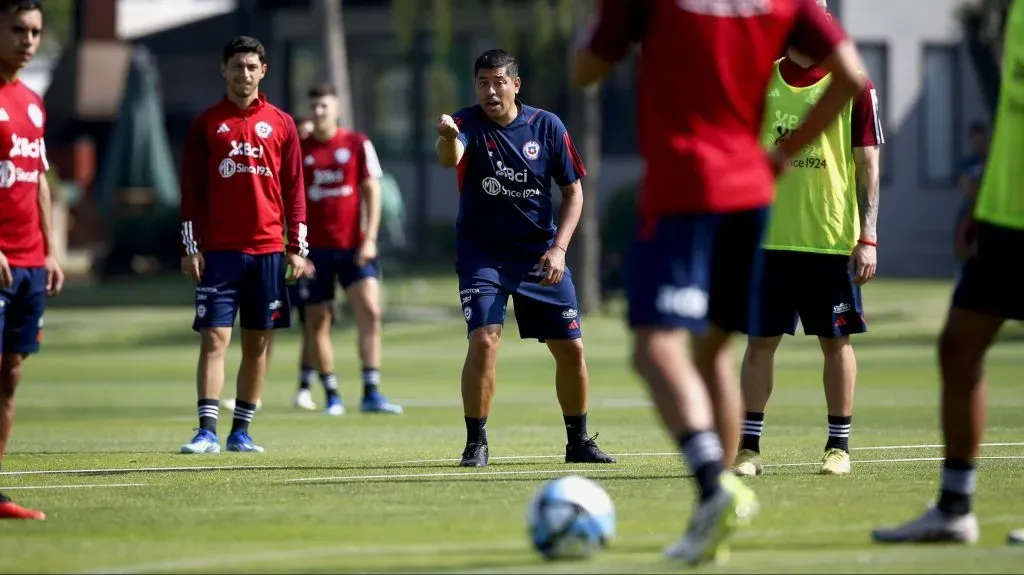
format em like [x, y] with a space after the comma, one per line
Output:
[476, 430]
[839, 432]
[753, 424]
[208, 411]
[575, 427]
[244, 412]
[330, 384]
[306, 376]
[703, 452]
[371, 380]
[958, 480]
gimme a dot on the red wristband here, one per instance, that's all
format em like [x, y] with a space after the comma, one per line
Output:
[868, 243]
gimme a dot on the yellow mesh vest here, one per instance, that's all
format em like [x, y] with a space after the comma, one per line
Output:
[1001, 197]
[815, 207]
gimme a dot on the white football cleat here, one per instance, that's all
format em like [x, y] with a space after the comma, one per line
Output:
[932, 527]
[304, 400]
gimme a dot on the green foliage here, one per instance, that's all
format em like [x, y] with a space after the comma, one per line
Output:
[504, 25]
[443, 28]
[58, 24]
[404, 16]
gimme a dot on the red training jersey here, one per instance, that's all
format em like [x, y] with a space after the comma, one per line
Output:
[22, 165]
[704, 69]
[867, 125]
[333, 171]
[241, 181]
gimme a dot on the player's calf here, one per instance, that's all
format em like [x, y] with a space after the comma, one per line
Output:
[572, 386]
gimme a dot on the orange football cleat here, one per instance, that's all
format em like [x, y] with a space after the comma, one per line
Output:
[11, 510]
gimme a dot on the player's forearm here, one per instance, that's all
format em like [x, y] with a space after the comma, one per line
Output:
[45, 200]
[448, 152]
[868, 184]
[569, 214]
[371, 199]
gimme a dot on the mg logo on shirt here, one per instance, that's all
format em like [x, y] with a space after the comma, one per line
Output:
[246, 149]
[229, 167]
[11, 174]
[492, 187]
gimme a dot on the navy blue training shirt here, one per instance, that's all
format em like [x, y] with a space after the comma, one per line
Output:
[505, 208]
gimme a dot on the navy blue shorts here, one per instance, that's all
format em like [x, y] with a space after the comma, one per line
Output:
[21, 311]
[542, 312]
[816, 288]
[236, 282]
[336, 265]
[688, 269]
[984, 285]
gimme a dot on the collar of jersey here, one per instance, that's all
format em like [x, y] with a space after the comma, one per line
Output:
[520, 117]
[259, 102]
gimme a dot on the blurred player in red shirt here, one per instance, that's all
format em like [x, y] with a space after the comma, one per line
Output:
[28, 268]
[342, 176]
[241, 193]
[708, 183]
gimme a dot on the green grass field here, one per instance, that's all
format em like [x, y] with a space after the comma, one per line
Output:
[105, 407]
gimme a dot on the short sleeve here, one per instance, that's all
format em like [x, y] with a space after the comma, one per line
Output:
[566, 166]
[370, 167]
[463, 119]
[866, 120]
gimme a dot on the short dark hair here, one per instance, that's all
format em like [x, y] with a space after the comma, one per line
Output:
[243, 45]
[321, 90]
[495, 59]
[17, 6]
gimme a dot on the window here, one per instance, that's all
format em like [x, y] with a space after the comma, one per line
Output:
[939, 115]
[876, 59]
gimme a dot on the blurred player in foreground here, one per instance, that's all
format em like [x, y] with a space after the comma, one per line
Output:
[984, 298]
[28, 268]
[241, 192]
[703, 206]
[506, 154]
[819, 249]
[342, 175]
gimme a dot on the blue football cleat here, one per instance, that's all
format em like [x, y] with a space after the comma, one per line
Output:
[204, 442]
[375, 402]
[240, 441]
[334, 406]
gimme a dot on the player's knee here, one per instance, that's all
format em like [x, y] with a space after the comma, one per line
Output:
[318, 317]
[214, 341]
[484, 342]
[567, 351]
[255, 343]
[834, 347]
[952, 349]
[762, 348]
[10, 373]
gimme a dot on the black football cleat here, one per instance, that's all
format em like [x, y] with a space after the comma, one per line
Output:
[585, 450]
[475, 455]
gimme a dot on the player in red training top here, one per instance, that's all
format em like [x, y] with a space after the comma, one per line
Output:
[707, 185]
[342, 175]
[241, 192]
[28, 268]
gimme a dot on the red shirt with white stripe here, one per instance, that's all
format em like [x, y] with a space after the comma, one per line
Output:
[334, 171]
[867, 125]
[241, 181]
[22, 164]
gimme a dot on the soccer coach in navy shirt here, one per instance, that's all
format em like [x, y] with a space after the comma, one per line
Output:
[506, 154]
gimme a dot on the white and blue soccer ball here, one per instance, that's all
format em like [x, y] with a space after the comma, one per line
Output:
[570, 517]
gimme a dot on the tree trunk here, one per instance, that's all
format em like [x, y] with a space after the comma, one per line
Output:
[588, 276]
[335, 56]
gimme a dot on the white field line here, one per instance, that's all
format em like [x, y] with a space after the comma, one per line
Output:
[932, 446]
[85, 486]
[451, 474]
[676, 453]
[319, 553]
[141, 469]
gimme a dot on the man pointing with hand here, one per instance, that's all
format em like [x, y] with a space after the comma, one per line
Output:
[505, 154]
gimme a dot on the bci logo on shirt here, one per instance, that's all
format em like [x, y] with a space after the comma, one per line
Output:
[26, 148]
[246, 149]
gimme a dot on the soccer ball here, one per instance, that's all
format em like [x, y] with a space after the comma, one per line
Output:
[570, 517]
